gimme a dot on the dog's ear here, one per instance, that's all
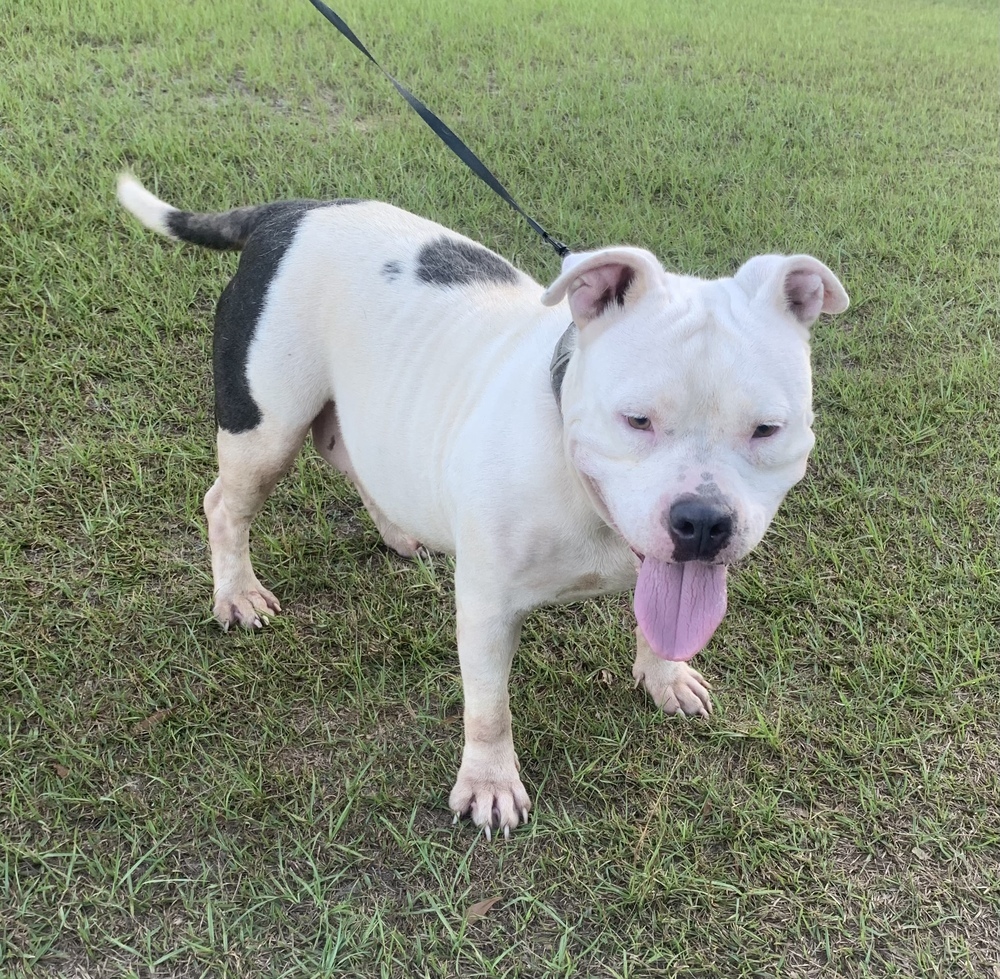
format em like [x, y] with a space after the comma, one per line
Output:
[597, 281]
[797, 285]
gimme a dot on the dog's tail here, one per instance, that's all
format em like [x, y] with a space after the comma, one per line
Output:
[225, 230]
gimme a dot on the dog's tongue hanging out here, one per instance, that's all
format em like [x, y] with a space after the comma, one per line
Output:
[679, 606]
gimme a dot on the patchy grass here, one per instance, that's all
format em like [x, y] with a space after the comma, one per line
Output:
[179, 802]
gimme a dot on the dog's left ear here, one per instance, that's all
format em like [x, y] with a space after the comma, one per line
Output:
[607, 279]
[798, 285]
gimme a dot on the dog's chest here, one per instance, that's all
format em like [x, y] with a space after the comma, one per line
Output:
[596, 570]
[591, 585]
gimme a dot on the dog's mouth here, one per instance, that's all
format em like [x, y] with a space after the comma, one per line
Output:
[679, 605]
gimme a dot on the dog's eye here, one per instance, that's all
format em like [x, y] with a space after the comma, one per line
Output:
[639, 422]
[765, 431]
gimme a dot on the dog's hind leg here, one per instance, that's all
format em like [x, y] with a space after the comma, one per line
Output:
[250, 464]
[330, 445]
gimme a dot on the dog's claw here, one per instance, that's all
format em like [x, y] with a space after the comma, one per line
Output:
[506, 832]
[489, 832]
[524, 816]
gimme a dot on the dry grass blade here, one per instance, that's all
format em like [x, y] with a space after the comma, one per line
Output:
[481, 908]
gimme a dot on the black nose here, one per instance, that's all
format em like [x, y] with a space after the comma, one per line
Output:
[698, 529]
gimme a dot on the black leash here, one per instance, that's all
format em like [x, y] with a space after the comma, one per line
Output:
[443, 132]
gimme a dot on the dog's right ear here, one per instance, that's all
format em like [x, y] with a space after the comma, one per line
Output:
[595, 281]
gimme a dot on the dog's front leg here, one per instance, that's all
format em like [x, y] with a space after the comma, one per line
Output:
[676, 688]
[488, 787]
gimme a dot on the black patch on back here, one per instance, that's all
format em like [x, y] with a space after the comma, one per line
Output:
[273, 229]
[392, 271]
[450, 262]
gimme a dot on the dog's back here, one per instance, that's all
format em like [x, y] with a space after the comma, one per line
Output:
[398, 321]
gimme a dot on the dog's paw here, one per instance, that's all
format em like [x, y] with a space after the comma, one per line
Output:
[249, 607]
[492, 795]
[676, 688]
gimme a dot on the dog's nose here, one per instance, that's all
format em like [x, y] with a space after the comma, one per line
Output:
[698, 529]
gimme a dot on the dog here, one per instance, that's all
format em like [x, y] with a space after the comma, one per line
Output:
[626, 427]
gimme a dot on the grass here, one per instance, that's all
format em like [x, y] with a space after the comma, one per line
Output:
[179, 802]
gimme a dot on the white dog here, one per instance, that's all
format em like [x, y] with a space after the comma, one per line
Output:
[626, 427]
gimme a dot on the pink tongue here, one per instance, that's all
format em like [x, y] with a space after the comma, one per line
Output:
[679, 606]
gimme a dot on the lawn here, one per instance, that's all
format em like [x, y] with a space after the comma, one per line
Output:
[177, 802]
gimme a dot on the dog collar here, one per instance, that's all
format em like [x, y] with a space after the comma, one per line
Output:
[560, 361]
[557, 371]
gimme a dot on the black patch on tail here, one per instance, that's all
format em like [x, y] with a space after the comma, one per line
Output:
[450, 262]
[272, 229]
[232, 229]
[229, 229]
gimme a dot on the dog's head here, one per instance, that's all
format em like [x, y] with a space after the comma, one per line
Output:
[687, 409]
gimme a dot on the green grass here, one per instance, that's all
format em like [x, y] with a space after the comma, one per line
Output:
[179, 802]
